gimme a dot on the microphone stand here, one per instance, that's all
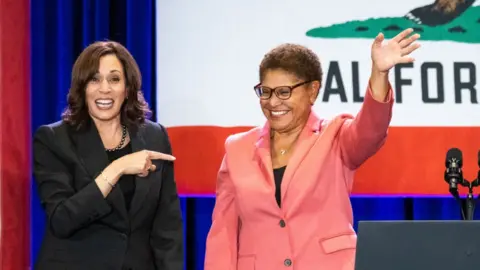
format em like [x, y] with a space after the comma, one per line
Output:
[470, 200]
[454, 177]
[470, 203]
[469, 207]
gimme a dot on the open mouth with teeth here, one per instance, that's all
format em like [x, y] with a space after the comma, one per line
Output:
[277, 114]
[104, 104]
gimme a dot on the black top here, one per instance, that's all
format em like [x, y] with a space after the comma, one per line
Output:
[126, 182]
[89, 231]
[278, 176]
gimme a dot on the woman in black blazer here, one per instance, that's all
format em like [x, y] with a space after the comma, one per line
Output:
[105, 174]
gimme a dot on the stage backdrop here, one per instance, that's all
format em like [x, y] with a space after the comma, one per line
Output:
[207, 64]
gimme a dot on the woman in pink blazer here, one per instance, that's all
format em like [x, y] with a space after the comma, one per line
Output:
[283, 189]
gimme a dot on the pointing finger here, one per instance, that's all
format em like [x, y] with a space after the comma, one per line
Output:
[158, 155]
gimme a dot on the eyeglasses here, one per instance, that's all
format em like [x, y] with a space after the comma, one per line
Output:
[282, 92]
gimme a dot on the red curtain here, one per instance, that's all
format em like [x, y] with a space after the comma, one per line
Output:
[15, 134]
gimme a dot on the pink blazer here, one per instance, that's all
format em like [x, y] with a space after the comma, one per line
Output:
[313, 229]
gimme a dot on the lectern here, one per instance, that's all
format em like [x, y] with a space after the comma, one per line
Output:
[418, 245]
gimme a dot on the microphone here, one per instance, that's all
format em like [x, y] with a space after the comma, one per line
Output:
[476, 182]
[453, 173]
[454, 177]
[470, 201]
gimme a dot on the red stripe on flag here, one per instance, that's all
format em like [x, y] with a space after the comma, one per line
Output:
[412, 161]
[15, 134]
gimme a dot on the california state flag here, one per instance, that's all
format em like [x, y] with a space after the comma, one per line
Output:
[208, 54]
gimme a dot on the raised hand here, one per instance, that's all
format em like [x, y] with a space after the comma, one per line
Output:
[395, 51]
[140, 162]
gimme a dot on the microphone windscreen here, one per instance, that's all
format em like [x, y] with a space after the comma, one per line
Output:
[454, 154]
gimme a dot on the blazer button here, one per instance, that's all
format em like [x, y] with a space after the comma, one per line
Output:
[287, 262]
[282, 223]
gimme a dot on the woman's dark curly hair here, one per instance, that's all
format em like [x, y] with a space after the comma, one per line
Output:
[295, 59]
[134, 110]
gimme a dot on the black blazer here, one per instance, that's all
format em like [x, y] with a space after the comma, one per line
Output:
[87, 231]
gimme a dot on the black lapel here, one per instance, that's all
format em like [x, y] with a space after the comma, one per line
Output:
[142, 184]
[94, 159]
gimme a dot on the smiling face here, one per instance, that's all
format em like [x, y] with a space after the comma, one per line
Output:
[292, 113]
[106, 91]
